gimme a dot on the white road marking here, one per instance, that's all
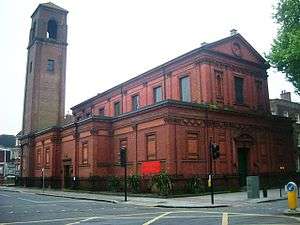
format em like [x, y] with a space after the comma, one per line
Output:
[225, 219]
[49, 202]
[84, 220]
[156, 218]
[43, 221]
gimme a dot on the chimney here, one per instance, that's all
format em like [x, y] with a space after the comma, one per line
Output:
[285, 95]
[203, 43]
[233, 32]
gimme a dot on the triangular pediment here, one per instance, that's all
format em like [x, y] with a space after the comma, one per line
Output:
[236, 46]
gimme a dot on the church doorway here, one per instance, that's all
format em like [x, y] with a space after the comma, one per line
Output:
[243, 165]
[67, 176]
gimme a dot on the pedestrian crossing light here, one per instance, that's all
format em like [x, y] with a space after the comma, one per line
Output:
[215, 149]
[123, 156]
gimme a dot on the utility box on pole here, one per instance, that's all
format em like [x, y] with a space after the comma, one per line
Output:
[253, 187]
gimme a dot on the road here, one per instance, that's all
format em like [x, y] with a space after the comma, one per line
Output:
[27, 208]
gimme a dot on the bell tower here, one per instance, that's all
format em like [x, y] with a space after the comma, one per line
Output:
[44, 100]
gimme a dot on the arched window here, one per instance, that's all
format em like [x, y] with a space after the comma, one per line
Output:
[52, 29]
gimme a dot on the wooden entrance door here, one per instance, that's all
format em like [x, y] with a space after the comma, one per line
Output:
[243, 165]
[67, 176]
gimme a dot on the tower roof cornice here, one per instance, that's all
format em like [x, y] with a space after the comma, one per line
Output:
[50, 5]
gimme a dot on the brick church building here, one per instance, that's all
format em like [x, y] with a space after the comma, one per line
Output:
[169, 114]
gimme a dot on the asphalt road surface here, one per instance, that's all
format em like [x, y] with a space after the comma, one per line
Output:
[26, 208]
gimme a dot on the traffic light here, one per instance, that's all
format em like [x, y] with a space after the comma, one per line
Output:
[123, 156]
[215, 150]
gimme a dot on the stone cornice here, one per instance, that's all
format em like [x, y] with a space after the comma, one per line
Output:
[226, 65]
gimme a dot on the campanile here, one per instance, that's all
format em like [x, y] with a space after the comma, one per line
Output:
[44, 100]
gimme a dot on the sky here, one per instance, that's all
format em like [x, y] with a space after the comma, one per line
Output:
[113, 41]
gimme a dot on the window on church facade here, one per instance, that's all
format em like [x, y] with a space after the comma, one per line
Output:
[219, 85]
[259, 97]
[47, 151]
[157, 94]
[101, 112]
[84, 155]
[30, 67]
[239, 90]
[117, 109]
[38, 156]
[185, 94]
[52, 29]
[50, 65]
[192, 145]
[151, 146]
[135, 102]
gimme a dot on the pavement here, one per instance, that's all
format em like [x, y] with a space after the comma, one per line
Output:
[220, 200]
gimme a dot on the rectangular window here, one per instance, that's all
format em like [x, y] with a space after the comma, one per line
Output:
[151, 146]
[185, 94]
[84, 153]
[192, 145]
[47, 156]
[117, 108]
[259, 97]
[50, 65]
[30, 67]
[135, 102]
[157, 94]
[101, 112]
[38, 156]
[239, 90]
[219, 85]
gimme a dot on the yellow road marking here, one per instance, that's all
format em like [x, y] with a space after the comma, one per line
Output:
[157, 218]
[225, 219]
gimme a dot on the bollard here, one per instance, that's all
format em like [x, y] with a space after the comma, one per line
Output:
[292, 195]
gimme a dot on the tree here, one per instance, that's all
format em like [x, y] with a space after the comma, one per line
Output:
[285, 51]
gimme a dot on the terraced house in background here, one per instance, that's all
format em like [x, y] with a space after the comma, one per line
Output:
[216, 92]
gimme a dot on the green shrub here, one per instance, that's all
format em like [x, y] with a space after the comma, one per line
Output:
[195, 185]
[163, 183]
[134, 182]
[113, 184]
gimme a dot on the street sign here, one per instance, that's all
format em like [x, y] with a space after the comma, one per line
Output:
[291, 186]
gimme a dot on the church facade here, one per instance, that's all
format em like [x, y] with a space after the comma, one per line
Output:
[168, 115]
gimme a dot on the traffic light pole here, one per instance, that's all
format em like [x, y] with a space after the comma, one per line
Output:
[125, 181]
[211, 173]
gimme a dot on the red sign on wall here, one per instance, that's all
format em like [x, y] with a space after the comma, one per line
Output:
[149, 168]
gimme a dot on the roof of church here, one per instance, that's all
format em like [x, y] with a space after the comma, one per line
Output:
[52, 5]
[181, 57]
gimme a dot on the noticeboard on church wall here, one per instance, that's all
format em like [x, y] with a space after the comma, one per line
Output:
[150, 168]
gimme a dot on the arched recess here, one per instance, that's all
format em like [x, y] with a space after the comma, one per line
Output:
[244, 141]
[52, 29]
